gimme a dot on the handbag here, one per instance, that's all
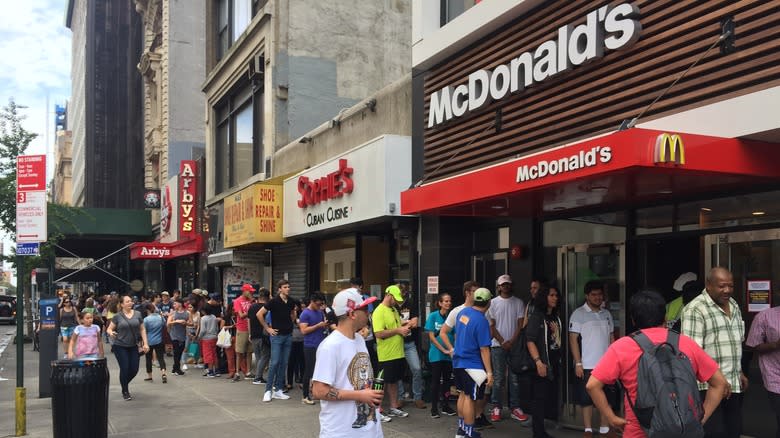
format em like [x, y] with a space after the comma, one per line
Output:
[223, 338]
[520, 360]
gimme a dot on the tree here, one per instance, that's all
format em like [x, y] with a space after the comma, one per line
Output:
[14, 140]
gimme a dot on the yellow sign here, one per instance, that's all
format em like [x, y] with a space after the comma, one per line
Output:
[669, 148]
[254, 215]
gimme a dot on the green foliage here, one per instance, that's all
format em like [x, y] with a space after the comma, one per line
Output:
[14, 140]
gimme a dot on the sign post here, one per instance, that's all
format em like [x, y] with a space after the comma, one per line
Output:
[31, 224]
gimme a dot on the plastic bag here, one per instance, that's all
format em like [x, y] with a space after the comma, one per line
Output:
[223, 338]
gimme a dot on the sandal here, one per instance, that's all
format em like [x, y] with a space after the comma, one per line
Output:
[165, 379]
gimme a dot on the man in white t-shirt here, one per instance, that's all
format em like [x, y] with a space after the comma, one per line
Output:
[506, 314]
[593, 325]
[343, 377]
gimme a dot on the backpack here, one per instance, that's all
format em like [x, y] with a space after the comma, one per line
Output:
[668, 403]
[519, 359]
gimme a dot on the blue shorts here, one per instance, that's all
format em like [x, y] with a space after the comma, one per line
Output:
[467, 385]
[66, 332]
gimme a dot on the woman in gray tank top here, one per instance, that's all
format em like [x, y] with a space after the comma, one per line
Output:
[177, 328]
[68, 322]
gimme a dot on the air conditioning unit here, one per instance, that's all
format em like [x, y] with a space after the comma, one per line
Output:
[256, 68]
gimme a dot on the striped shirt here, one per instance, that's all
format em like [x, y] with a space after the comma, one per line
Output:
[719, 335]
[765, 329]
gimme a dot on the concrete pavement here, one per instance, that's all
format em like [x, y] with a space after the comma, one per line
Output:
[191, 406]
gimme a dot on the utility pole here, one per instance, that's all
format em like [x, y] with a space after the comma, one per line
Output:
[21, 391]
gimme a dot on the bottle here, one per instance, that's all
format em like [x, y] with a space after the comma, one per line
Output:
[379, 381]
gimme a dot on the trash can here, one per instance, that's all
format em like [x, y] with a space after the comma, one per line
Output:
[79, 400]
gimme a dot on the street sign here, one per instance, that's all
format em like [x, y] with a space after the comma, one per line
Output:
[31, 173]
[31, 216]
[28, 249]
[48, 308]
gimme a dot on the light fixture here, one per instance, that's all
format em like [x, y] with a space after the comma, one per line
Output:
[706, 209]
[664, 192]
[758, 213]
[497, 207]
[598, 189]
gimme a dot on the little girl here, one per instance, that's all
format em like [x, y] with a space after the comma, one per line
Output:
[86, 339]
[207, 335]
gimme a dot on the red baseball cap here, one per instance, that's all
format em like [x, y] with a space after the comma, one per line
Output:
[246, 287]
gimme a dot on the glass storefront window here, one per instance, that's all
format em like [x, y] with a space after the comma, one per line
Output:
[452, 8]
[375, 255]
[655, 220]
[337, 262]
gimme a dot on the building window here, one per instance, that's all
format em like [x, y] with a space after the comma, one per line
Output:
[233, 17]
[452, 8]
[238, 137]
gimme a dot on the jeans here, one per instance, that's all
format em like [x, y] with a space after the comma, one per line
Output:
[310, 356]
[499, 357]
[544, 404]
[413, 360]
[280, 354]
[774, 403]
[262, 356]
[128, 360]
[296, 365]
[726, 419]
[178, 348]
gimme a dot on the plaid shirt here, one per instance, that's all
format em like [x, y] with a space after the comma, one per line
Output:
[720, 336]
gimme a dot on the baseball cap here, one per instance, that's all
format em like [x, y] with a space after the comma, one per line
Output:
[165, 292]
[247, 287]
[349, 299]
[503, 279]
[682, 279]
[215, 296]
[395, 292]
[483, 295]
[196, 291]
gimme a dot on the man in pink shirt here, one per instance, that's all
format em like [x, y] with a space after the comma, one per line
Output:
[621, 362]
[243, 344]
[764, 338]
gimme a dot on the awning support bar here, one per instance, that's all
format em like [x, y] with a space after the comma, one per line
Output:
[93, 264]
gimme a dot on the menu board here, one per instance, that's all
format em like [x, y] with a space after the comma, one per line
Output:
[759, 295]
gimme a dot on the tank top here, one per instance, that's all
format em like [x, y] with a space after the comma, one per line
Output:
[178, 331]
[68, 319]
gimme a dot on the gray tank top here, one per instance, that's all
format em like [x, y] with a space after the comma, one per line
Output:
[178, 331]
[68, 319]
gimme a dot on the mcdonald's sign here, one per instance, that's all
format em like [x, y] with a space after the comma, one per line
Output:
[669, 148]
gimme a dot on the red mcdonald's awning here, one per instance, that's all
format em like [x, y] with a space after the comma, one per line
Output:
[624, 167]
[157, 250]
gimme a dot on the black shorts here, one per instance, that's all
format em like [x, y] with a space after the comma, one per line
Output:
[581, 396]
[393, 370]
[467, 385]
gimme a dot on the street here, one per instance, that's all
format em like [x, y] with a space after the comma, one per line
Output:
[190, 406]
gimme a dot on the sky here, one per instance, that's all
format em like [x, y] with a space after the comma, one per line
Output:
[35, 51]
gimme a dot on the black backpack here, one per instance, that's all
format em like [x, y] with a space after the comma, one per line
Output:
[668, 403]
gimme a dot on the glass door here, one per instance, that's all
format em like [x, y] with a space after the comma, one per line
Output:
[578, 264]
[485, 268]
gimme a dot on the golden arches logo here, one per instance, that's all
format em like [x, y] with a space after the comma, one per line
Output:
[669, 148]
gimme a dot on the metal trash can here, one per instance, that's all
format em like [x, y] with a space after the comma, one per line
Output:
[79, 401]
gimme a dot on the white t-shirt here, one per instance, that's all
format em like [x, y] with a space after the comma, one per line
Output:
[344, 363]
[452, 317]
[595, 329]
[505, 312]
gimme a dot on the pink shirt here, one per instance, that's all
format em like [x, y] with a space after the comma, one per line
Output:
[766, 328]
[621, 361]
[241, 304]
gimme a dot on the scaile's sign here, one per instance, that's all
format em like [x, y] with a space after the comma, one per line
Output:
[606, 28]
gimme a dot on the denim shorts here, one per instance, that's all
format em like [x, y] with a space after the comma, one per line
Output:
[66, 332]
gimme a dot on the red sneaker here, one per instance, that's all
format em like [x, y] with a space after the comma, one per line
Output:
[495, 414]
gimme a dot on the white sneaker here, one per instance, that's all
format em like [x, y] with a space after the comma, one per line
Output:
[267, 396]
[278, 394]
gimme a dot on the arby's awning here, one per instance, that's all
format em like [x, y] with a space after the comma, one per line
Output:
[165, 251]
[625, 167]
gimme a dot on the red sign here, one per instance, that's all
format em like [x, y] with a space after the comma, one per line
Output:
[30, 172]
[157, 250]
[333, 185]
[188, 191]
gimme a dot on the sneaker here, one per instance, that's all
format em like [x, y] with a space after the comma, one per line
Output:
[483, 423]
[217, 375]
[280, 395]
[179, 373]
[249, 376]
[435, 413]
[419, 404]
[307, 401]
[395, 412]
[236, 378]
[184, 367]
[267, 396]
[257, 382]
[475, 434]
[385, 418]
[447, 410]
[495, 414]
[127, 396]
[164, 379]
[519, 415]
[460, 433]
[211, 375]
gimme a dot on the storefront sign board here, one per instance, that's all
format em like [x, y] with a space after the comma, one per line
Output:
[433, 285]
[759, 295]
[363, 183]
[254, 215]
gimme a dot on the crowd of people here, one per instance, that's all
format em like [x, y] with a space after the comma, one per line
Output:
[359, 354]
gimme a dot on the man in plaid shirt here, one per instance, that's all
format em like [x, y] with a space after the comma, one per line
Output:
[714, 321]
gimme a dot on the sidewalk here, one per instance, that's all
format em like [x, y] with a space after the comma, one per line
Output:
[191, 406]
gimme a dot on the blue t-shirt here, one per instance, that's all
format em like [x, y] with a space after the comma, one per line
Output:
[312, 317]
[473, 333]
[434, 324]
[154, 324]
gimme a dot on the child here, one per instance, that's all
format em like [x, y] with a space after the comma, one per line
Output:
[209, 328]
[85, 341]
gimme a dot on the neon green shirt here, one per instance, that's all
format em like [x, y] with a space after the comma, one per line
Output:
[387, 318]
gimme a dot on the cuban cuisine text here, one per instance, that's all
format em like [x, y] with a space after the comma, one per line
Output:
[606, 28]
[593, 157]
